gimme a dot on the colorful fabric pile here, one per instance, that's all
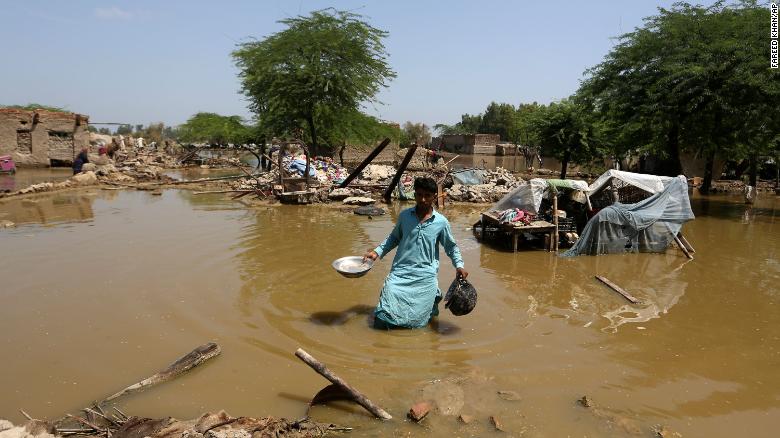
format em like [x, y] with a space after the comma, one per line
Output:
[324, 169]
[512, 215]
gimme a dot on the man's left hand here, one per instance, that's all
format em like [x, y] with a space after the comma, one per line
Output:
[461, 273]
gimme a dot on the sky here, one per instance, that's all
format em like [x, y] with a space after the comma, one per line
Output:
[141, 62]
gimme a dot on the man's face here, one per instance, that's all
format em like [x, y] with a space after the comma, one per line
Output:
[424, 198]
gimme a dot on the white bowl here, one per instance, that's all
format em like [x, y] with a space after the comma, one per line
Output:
[352, 266]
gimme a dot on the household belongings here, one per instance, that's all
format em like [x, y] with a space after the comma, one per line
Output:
[626, 187]
[353, 266]
[645, 226]
[529, 196]
[323, 169]
[512, 215]
[461, 297]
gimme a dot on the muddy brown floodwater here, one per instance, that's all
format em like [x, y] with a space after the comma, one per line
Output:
[102, 288]
[27, 177]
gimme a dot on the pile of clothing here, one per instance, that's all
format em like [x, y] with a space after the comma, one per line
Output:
[512, 215]
[323, 169]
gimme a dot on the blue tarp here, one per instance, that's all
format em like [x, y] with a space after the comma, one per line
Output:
[469, 177]
[299, 166]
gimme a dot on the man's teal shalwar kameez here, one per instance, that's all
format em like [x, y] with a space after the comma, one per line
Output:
[411, 293]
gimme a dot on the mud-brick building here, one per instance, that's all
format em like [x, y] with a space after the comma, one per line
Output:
[471, 144]
[42, 138]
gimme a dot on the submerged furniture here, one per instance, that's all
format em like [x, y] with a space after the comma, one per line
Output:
[529, 197]
[516, 230]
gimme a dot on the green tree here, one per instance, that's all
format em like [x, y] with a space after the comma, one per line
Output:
[522, 131]
[215, 129]
[692, 78]
[36, 106]
[171, 133]
[499, 118]
[154, 132]
[320, 67]
[124, 130]
[469, 124]
[568, 132]
[418, 133]
[104, 131]
[358, 129]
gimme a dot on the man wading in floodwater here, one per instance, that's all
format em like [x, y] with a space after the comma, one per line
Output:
[410, 296]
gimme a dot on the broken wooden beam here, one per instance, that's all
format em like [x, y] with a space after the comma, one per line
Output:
[409, 154]
[686, 243]
[556, 236]
[219, 178]
[683, 248]
[450, 161]
[356, 395]
[618, 289]
[182, 365]
[366, 161]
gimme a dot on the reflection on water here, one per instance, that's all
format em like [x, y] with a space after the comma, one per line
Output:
[143, 279]
[27, 177]
[190, 173]
[46, 210]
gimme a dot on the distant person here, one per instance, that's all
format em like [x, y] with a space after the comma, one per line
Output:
[410, 296]
[274, 148]
[81, 159]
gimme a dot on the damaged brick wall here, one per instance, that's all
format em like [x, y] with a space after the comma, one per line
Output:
[42, 138]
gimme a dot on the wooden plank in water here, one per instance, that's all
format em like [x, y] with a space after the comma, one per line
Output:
[686, 243]
[618, 289]
[359, 398]
[683, 248]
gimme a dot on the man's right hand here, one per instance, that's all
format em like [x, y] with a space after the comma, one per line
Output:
[371, 255]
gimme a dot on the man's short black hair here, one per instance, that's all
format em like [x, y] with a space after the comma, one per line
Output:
[425, 184]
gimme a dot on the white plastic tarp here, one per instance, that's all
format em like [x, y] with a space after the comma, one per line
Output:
[648, 183]
[529, 196]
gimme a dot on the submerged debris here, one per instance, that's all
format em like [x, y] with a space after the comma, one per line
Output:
[494, 185]
[370, 210]
[419, 410]
[496, 423]
[209, 425]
